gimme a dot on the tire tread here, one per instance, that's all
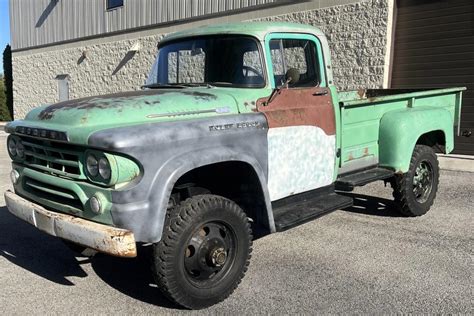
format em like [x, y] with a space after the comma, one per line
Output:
[401, 185]
[178, 218]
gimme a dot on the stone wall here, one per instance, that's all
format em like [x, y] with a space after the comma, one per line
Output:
[357, 33]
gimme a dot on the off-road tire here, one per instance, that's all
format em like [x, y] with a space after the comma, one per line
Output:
[171, 256]
[403, 185]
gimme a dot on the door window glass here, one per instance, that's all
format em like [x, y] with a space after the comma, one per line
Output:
[300, 55]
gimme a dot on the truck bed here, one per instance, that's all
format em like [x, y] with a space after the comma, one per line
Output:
[362, 111]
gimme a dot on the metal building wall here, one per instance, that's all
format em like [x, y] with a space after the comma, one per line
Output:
[42, 22]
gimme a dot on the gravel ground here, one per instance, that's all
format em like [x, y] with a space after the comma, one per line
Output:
[366, 259]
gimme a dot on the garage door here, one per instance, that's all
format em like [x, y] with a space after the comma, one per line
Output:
[434, 47]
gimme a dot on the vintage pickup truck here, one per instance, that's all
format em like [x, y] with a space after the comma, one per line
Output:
[239, 132]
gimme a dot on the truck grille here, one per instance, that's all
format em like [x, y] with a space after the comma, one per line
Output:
[53, 157]
[53, 194]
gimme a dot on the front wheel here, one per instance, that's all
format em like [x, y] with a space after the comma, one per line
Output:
[415, 191]
[204, 251]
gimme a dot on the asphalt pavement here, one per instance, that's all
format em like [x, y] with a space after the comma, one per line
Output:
[365, 259]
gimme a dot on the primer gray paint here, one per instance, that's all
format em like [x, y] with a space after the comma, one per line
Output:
[142, 207]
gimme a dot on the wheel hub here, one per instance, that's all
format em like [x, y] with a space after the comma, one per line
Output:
[218, 257]
[423, 181]
[209, 252]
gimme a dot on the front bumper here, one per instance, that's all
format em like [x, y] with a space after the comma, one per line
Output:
[114, 241]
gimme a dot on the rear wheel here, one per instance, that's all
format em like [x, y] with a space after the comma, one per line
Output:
[416, 190]
[204, 251]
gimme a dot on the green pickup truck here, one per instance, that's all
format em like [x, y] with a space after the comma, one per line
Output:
[239, 132]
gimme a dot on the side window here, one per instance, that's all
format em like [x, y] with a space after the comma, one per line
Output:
[295, 54]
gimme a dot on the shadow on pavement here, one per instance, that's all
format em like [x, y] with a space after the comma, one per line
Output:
[371, 205]
[133, 277]
[25, 246]
[36, 252]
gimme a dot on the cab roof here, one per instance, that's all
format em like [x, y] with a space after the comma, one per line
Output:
[257, 29]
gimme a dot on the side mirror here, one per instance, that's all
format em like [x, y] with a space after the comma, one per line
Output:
[292, 76]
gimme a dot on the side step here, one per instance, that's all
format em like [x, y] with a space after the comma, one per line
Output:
[350, 181]
[302, 208]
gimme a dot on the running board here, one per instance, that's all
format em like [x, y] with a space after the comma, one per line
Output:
[350, 181]
[302, 208]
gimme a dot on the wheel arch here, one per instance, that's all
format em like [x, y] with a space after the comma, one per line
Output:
[178, 170]
[236, 180]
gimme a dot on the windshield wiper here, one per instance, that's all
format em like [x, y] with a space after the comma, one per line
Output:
[176, 85]
[203, 84]
[162, 86]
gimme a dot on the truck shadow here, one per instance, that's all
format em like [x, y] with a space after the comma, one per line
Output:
[38, 253]
[47, 257]
[132, 277]
[372, 205]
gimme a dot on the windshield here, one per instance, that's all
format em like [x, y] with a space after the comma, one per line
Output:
[218, 61]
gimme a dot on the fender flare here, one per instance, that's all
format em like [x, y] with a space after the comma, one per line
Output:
[400, 130]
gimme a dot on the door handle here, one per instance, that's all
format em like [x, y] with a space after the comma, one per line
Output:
[320, 93]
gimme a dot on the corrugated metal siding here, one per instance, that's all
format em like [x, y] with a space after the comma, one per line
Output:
[41, 22]
[434, 47]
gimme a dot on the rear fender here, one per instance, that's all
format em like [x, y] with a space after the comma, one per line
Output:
[400, 131]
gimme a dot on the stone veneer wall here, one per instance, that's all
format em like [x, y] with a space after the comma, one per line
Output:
[357, 33]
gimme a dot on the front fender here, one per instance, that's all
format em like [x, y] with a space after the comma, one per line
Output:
[167, 150]
[175, 168]
[401, 129]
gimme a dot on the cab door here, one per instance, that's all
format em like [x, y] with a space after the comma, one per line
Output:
[301, 117]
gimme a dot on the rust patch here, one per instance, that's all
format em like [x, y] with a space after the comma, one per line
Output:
[103, 238]
[297, 107]
[204, 96]
[366, 152]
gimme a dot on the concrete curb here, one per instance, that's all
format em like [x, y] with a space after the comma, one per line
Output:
[456, 162]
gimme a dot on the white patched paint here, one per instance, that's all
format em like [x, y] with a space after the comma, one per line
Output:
[300, 158]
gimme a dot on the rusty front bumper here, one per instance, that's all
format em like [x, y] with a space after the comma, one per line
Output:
[114, 241]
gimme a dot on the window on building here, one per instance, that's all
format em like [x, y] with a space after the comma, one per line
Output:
[298, 54]
[63, 87]
[112, 4]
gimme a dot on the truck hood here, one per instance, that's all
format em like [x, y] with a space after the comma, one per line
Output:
[80, 117]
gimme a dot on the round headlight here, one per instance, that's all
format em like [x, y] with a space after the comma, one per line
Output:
[20, 149]
[12, 147]
[92, 165]
[104, 168]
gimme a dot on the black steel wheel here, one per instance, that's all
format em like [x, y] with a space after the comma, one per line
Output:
[204, 251]
[416, 190]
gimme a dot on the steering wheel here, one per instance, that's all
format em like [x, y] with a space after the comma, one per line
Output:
[248, 69]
